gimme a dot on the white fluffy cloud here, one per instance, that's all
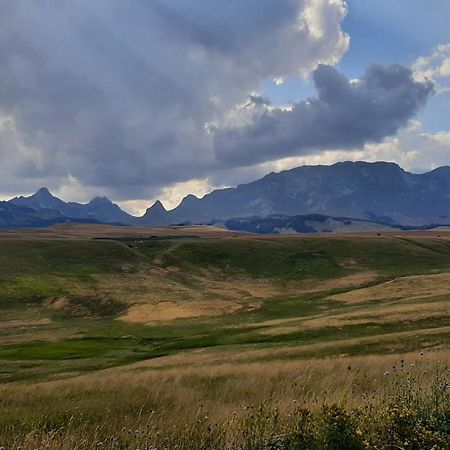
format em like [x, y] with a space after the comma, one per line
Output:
[412, 148]
[435, 67]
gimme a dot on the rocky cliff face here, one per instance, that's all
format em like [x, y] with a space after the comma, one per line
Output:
[375, 191]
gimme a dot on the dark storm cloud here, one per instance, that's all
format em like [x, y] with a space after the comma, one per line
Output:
[121, 96]
[345, 115]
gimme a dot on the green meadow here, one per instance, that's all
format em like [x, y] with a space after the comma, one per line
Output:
[285, 341]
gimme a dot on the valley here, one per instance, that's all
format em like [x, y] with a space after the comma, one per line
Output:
[198, 311]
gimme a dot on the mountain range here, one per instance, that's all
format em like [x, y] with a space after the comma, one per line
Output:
[379, 192]
[99, 209]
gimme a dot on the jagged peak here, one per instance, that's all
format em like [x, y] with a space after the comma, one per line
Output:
[157, 206]
[97, 200]
[43, 192]
[190, 198]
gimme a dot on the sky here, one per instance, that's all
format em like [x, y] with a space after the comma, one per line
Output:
[147, 100]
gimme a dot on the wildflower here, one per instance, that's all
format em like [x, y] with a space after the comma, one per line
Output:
[386, 373]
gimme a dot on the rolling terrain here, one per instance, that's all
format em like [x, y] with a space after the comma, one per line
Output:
[184, 315]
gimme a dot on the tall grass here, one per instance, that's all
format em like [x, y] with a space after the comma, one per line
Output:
[377, 402]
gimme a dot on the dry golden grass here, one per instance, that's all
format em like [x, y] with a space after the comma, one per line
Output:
[14, 324]
[280, 355]
[167, 311]
[89, 231]
[153, 298]
[410, 287]
[159, 285]
[164, 294]
[386, 314]
[353, 280]
[343, 378]
[159, 406]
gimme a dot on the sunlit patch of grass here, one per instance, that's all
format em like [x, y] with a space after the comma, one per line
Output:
[348, 403]
[28, 289]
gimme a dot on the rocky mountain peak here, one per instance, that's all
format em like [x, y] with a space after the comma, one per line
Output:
[43, 192]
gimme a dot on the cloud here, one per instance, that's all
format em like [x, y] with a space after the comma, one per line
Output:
[412, 148]
[435, 67]
[116, 96]
[345, 114]
[22, 167]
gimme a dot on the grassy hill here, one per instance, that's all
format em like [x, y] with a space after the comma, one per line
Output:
[203, 316]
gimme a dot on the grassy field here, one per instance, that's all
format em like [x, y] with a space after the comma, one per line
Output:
[199, 340]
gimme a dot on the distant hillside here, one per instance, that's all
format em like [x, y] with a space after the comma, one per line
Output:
[371, 191]
[311, 223]
[99, 209]
[15, 216]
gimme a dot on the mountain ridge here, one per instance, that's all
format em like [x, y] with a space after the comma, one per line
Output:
[378, 191]
[99, 209]
[16, 216]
